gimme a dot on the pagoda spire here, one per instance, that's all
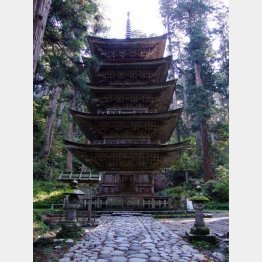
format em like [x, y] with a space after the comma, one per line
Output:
[128, 27]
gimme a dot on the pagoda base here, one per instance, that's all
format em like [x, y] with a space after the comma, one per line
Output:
[131, 202]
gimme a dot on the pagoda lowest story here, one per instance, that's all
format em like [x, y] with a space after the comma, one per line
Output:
[129, 122]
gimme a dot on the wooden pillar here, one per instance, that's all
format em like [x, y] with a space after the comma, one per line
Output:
[89, 203]
[169, 203]
[153, 203]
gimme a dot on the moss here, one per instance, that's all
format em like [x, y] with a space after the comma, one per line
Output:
[70, 230]
[203, 244]
[199, 199]
[199, 230]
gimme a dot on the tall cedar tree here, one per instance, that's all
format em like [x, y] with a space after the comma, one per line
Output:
[60, 74]
[189, 18]
[41, 10]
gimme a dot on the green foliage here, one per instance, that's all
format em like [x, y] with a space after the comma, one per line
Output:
[202, 244]
[217, 190]
[214, 205]
[46, 193]
[64, 43]
[39, 117]
[220, 148]
[175, 192]
[70, 231]
[39, 226]
[188, 160]
[202, 71]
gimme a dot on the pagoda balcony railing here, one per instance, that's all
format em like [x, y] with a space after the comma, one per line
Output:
[121, 112]
[121, 142]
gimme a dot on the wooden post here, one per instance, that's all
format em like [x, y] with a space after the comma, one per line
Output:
[153, 203]
[89, 203]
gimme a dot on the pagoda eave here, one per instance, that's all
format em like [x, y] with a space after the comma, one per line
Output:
[127, 157]
[144, 72]
[155, 126]
[153, 98]
[117, 50]
[129, 89]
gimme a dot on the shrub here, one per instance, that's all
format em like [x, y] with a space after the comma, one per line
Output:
[213, 205]
[217, 190]
[47, 193]
[202, 244]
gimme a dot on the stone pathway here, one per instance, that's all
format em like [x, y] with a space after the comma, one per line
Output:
[131, 239]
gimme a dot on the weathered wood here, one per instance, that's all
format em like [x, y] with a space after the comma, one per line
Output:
[41, 11]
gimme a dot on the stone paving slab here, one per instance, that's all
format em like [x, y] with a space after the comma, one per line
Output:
[132, 239]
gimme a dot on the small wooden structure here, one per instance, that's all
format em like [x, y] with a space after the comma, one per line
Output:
[86, 181]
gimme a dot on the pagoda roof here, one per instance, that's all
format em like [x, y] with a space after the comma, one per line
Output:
[152, 71]
[147, 157]
[133, 49]
[153, 97]
[155, 126]
[122, 89]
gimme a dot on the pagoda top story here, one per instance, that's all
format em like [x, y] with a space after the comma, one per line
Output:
[127, 50]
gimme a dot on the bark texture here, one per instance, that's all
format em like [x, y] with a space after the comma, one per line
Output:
[69, 156]
[41, 11]
[70, 137]
[51, 121]
[203, 131]
[84, 167]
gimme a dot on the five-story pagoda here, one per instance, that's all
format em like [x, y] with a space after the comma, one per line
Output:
[129, 121]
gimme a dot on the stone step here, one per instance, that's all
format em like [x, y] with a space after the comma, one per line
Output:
[127, 214]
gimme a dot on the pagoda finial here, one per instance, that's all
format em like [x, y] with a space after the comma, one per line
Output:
[128, 27]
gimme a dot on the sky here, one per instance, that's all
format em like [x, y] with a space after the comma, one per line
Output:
[144, 16]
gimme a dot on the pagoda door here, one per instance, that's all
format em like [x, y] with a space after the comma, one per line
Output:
[127, 184]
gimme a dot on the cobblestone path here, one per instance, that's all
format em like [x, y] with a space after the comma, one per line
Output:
[131, 239]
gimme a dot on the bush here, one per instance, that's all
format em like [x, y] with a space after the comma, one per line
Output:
[47, 193]
[217, 190]
[39, 227]
[216, 205]
[202, 244]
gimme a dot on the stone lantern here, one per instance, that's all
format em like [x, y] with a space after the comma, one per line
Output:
[200, 231]
[73, 202]
[70, 228]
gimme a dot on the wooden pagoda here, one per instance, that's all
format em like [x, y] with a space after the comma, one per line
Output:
[129, 122]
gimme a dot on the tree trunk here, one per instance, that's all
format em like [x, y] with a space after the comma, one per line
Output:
[41, 11]
[174, 99]
[198, 143]
[186, 173]
[203, 131]
[207, 160]
[59, 117]
[70, 136]
[84, 167]
[213, 139]
[69, 156]
[185, 104]
[50, 121]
